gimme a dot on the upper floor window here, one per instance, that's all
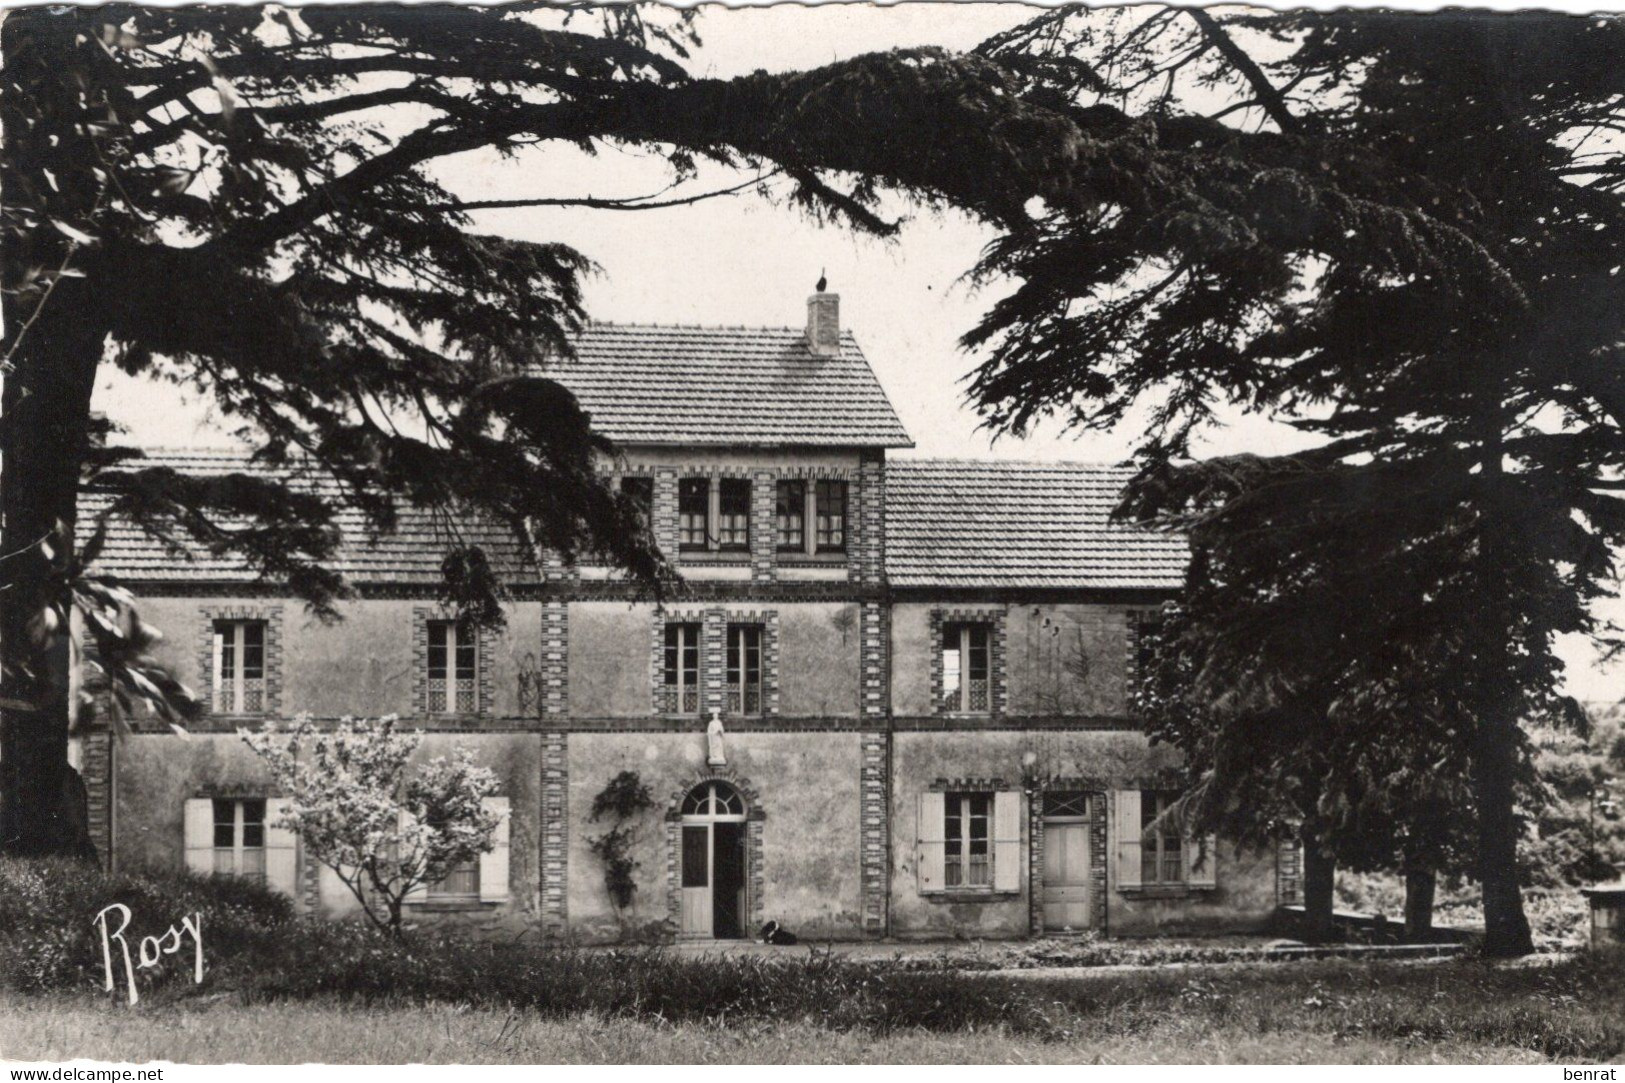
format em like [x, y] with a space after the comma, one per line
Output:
[239, 666]
[453, 668]
[791, 513]
[745, 669]
[965, 858]
[821, 503]
[693, 513]
[641, 491]
[831, 499]
[733, 513]
[713, 513]
[681, 677]
[965, 668]
[239, 838]
[1162, 851]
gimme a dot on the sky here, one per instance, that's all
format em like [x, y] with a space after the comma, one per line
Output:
[742, 260]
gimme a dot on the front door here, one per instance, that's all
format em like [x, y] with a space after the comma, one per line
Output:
[712, 862]
[1066, 877]
[696, 900]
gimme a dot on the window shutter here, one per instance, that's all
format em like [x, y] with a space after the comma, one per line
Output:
[199, 835]
[419, 892]
[494, 865]
[928, 844]
[281, 851]
[1202, 862]
[1126, 827]
[215, 678]
[1007, 840]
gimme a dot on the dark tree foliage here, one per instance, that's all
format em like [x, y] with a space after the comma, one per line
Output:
[241, 200]
[1403, 234]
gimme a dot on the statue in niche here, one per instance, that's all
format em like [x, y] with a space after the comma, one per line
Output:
[715, 755]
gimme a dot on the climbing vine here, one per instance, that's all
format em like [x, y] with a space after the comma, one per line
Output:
[620, 802]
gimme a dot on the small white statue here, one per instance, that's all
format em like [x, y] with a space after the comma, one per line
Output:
[715, 756]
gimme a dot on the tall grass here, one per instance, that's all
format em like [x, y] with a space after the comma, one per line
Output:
[262, 955]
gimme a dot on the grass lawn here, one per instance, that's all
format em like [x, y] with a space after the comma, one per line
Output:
[1341, 1012]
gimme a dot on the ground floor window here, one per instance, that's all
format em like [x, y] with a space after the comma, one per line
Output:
[1162, 851]
[239, 838]
[966, 860]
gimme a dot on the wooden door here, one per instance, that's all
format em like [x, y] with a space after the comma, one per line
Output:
[696, 882]
[1066, 877]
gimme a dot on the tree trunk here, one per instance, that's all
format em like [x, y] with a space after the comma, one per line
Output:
[46, 409]
[1506, 929]
[1319, 882]
[1419, 891]
[1497, 740]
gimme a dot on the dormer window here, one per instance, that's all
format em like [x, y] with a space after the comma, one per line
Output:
[713, 514]
[733, 513]
[693, 513]
[641, 491]
[831, 500]
[821, 503]
[791, 515]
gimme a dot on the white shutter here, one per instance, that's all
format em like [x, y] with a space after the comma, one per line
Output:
[1007, 840]
[420, 891]
[928, 842]
[1202, 862]
[281, 851]
[199, 834]
[494, 865]
[1126, 830]
[215, 703]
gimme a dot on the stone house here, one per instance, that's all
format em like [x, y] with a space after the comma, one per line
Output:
[921, 670]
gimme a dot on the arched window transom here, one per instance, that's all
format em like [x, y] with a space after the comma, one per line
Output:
[714, 801]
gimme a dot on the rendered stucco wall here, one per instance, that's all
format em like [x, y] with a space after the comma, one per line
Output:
[360, 665]
[1060, 660]
[1098, 760]
[611, 672]
[158, 772]
[808, 788]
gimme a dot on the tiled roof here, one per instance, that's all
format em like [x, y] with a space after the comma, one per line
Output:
[726, 385]
[968, 523]
[410, 555]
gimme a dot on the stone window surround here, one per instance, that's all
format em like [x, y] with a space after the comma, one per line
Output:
[714, 622]
[271, 615]
[763, 552]
[485, 644]
[998, 674]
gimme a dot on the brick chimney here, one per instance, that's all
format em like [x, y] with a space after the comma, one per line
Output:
[824, 323]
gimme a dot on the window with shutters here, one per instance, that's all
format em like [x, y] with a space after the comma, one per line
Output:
[239, 666]
[791, 516]
[967, 855]
[453, 663]
[680, 678]
[1162, 850]
[831, 512]
[744, 669]
[966, 669]
[239, 838]
[461, 882]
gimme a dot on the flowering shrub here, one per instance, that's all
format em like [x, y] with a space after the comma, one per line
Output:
[384, 830]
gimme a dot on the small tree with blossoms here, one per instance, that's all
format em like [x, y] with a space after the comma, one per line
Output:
[384, 827]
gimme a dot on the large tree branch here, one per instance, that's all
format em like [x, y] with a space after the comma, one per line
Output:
[1269, 98]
